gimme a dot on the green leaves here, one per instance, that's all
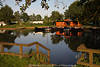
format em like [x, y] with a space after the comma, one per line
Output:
[6, 14]
[25, 17]
[44, 4]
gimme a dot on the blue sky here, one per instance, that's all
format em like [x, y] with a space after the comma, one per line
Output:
[37, 9]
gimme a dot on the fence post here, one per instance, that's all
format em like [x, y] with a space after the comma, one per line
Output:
[48, 57]
[91, 58]
[1, 48]
[37, 51]
[21, 51]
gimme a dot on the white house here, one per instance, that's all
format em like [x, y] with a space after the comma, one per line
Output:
[37, 22]
[14, 22]
[2, 23]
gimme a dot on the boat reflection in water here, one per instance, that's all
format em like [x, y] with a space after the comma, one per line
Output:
[69, 33]
[21, 54]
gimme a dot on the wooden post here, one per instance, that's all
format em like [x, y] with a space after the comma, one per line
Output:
[21, 51]
[37, 51]
[90, 59]
[2, 48]
[48, 57]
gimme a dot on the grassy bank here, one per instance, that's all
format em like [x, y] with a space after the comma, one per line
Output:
[15, 61]
[25, 25]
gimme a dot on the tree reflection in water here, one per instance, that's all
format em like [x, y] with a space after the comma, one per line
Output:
[10, 35]
[7, 36]
[90, 50]
[90, 38]
[72, 38]
[56, 39]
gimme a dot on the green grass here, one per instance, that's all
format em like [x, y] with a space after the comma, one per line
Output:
[26, 24]
[14, 61]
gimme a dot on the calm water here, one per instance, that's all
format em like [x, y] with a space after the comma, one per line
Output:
[63, 45]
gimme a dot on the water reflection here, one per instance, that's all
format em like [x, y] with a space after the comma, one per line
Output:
[72, 38]
[75, 38]
[6, 36]
[63, 45]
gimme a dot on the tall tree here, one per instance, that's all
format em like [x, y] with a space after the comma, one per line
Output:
[47, 20]
[32, 17]
[25, 17]
[38, 17]
[87, 12]
[6, 14]
[75, 11]
[17, 16]
[92, 12]
[56, 16]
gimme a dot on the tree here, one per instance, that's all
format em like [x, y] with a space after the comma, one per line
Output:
[38, 17]
[86, 13]
[6, 14]
[17, 16]
[47, 20]
[92, 12]
[66, 14]
[25, 17]
[32, 17]
[74, 11]
[56, 16]
[44, 3]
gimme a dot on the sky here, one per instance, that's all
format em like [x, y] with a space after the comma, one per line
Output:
[37, 9]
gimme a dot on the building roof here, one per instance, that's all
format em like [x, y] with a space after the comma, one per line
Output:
[69, 20]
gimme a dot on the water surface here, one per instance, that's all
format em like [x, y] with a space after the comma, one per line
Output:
[63, 45]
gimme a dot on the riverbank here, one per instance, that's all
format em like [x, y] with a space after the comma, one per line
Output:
[32, 26]
[16, 28]
[23, 26]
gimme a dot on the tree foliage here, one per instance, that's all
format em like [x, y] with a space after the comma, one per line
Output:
[17, 16]
[92, 12]
[47, 20]
[86, 13]
[25, 17]
[27, 3]
[74, 11]
[56, 16]
[6, 14]
[38, 17]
